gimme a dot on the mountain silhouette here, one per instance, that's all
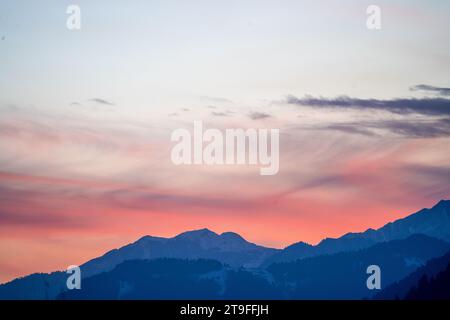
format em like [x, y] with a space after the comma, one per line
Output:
[343, 275]
[338, 276]
[435, 288]
[332, 269]
[168, 278]
[434, 222]
[228, 248]
[163, 278]
[400, 289]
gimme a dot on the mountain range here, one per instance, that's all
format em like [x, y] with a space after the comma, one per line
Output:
[333, 269]
[434, 222]
[343, 275]
[345, 278]
[228, 247]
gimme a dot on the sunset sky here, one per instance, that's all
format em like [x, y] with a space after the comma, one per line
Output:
[86, 118]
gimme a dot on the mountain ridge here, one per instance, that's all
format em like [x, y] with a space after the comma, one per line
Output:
[231, 249]
[434, 222]
[228, 248]
[344, 276]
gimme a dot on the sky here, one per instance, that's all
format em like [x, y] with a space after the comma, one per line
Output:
[86, 118]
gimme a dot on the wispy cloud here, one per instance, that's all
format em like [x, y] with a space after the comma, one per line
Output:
[259, 115]
[417, 129]
[214, 100]
[425, 106]
[427, 88]
[220, 114]
[352, 128]
[405, 128]
[102, 101]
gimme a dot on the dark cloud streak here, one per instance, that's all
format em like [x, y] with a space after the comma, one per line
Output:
[259, 115]
[425, 106]
[427, 88]
[102, 101]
